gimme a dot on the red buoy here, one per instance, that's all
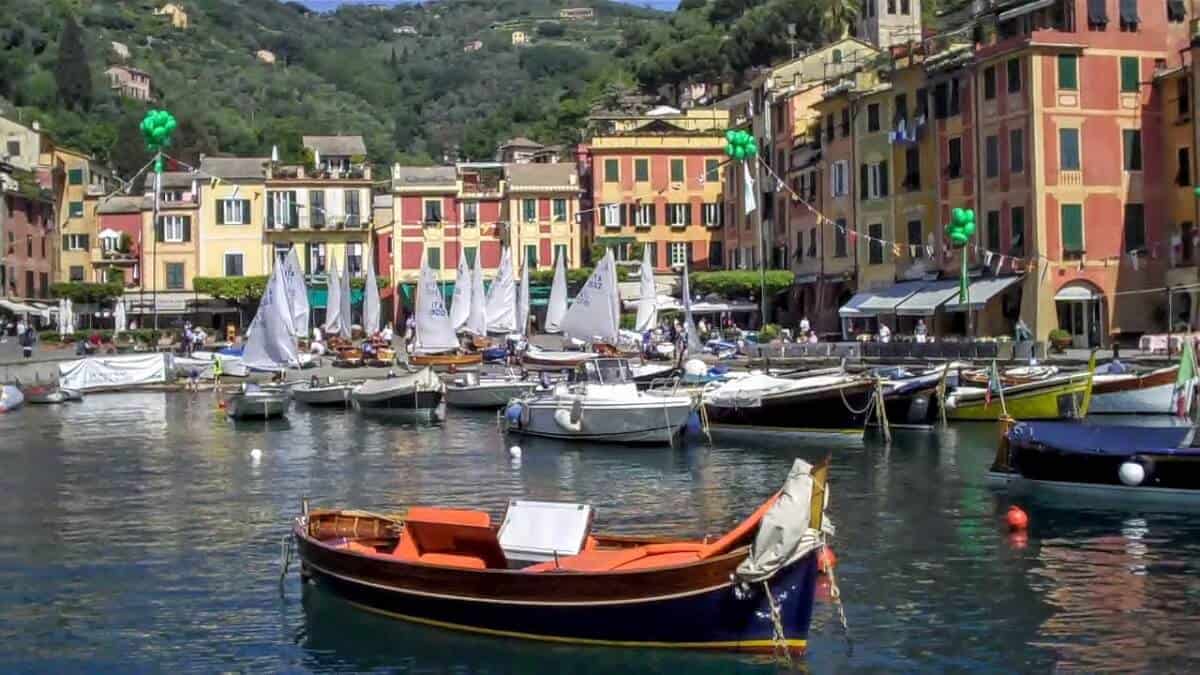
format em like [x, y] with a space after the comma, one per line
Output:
[221, 405]
[826, 559]
[1016, 518]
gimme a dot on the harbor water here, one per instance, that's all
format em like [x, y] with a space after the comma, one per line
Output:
[141, 533]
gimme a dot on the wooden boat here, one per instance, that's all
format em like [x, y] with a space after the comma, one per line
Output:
[833, 404]
[457, 360]
[1059, 397]
[912, 399]
[1151, 393]
[454, 569]
[254, 402]
[1142, 462]
[348, 357]
[384, 357]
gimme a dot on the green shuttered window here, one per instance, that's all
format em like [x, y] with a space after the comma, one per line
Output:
[1072, 228]
[1068, 71]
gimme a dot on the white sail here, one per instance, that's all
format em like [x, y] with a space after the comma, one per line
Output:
[460, 307]
[477, 317]
[523, 302]
[333, 300]
[271, 344]
[370, 311]
[345, 298]
[647, 314]
[502, 298]
[557, 308]
[434, 331]
[297, 292]
[614, 292]
[693, 340]
[591, 315]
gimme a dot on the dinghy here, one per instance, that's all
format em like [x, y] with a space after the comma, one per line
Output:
[541, 574]
[252, 402]
[435, 343]
[419, 392]
[271, 346]
[1117, 390]
[328, 393]
[472, 391]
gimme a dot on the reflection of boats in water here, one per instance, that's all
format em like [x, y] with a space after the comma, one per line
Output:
[542, 575]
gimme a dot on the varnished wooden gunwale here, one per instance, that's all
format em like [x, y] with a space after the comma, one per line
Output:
[1156, 378]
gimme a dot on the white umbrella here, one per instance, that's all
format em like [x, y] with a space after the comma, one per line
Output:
[119, 318]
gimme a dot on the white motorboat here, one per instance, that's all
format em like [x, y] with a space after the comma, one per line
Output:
[537, 358]
[416, 392]
[254, 402]
[328, 393]
[600, 402]
[472, 391]
[11, 398]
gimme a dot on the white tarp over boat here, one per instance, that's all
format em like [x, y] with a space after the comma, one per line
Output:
[749, 391]
[784, 535]
[502, 298]
[114, 372]
[460, 304]
[647, 312]
[557, 308]
[591, 316]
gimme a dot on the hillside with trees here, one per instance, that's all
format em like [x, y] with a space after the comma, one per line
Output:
[401, 76]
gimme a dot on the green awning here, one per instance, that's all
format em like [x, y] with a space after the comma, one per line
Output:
[539, 294]
[318, 295]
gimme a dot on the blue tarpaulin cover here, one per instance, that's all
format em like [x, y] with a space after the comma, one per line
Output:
[1105, 439]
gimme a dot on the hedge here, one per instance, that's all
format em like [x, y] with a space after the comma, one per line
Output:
[146, 336]
[737, 284]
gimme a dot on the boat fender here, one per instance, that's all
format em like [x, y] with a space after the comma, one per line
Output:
[1136, 470]
[513, 413]
[562, 417]
[577, 411]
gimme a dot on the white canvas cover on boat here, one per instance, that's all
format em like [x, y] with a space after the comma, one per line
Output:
[784, 535]
[460, 304]
[502, 298]
[536, 531]
[114, 372]
[557, 309]
[749, 391]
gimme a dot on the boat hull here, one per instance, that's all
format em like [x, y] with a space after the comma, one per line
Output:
[494, 396]
[11, 398]
[831, 410]
[409, 400]
[1064, 398]
[257, 406]
[918, 408]
[688, 606]
[338, 396]
[546, 360]
[617, 422]
[1149, 394]
[443, 361]
[1018, 484]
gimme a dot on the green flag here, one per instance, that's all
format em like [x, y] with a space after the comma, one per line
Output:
[1185, 380]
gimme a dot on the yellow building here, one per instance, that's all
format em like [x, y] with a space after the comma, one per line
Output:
[232, 217]
[1176, 89]
[79, 183]
[657, 179]
[175, 14]
[170, 246]
[543, 202]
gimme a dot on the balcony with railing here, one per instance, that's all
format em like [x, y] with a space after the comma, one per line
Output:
[481, 181]
[301, 220]
[323, 172]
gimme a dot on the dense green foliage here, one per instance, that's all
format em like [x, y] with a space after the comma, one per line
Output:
[244, 289]
[415, 98]
[147, 336]
[738, 284]
[81, 292]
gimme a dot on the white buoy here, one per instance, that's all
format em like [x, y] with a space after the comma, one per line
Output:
[256, 454]
[515, 452]
[1132, 473]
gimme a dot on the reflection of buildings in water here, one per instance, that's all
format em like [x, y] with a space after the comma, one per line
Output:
[1109, 612]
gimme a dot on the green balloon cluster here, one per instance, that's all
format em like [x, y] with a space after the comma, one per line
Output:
[157, 127]
[961, 227]
[740, 144]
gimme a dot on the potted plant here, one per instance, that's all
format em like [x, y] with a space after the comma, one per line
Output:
[1060, 340]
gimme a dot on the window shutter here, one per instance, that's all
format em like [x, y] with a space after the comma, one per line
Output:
[624, 217]
[66, 243]
[883, 178]
[603, 215]
[687, 213]
[85, 242]
[1072, 227]
[270, 210]
[187, 228]
[862, 181]
[220, 211]
[245, 211]
[158, 229]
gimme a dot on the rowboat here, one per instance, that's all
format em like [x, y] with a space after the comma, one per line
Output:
[1124, 393]
[472, 391]
[448, 360]
[254, 402]
[834, 405]
[1155, 463]
[1059, 397]
[542, 574]
[329, 393]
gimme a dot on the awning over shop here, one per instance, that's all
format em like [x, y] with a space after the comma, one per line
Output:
[19, 308]
[980, 292]
[851, 310]
[884, 300]
[1076, 292]
[926, 301]
[317, 296]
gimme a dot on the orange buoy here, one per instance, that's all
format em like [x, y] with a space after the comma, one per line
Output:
[826, 559]
[1016, 518]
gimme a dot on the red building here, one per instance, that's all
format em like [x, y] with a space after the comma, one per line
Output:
[26, 228]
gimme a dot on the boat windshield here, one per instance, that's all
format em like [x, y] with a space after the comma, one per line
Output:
[603, 371]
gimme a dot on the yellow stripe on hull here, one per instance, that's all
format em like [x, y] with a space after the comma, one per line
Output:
[750, 645]
[1041, 404]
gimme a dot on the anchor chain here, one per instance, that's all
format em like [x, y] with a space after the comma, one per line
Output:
[779, 643]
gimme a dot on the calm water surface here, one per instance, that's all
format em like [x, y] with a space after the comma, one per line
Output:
[137, 534]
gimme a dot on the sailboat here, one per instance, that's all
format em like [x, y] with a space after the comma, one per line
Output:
[647, 314]
[557, 309]
[523, 302]
[460, 306]
[593, 317]
[271, 345]
[435, 343]
[502, 298]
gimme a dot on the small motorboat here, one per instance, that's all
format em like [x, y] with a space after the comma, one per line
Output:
[328, 393]
[415, 392]
[11, 398]
[1119, 391]
[450, 360]
[43, 394]
[544, 359]
[824, 404]
[469, 390]
[542, 574]
[1065, 396]
[1145, 462]
[600, 402]
[255, 402]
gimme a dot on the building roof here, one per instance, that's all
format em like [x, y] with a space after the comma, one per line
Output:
[129, 69]
[412, 177]
[177, 179]
[234, 168]
[339, 146]
[121, 204]
[521, 142]
[556, 175]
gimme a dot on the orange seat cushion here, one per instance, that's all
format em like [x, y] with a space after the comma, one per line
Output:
[660, 560]
[361, 548]
[591, 561]
[452, 560]
[456, 537]
[433, 514]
